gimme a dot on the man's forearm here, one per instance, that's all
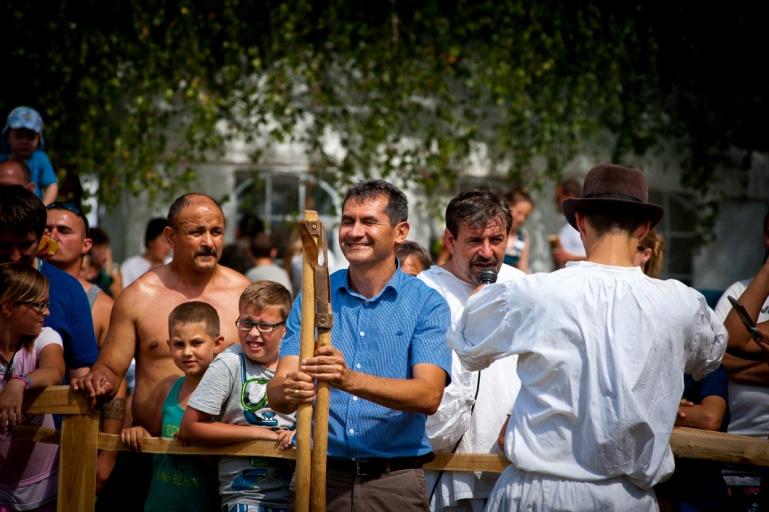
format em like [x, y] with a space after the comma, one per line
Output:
[747, 372]
[752, 298]
[410, 395]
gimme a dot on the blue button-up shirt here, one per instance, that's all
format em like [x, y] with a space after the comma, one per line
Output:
[404, 325]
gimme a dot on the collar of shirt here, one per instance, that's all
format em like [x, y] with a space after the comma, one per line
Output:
[393, 285]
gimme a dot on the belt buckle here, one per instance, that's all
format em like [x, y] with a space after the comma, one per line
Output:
[362, 471]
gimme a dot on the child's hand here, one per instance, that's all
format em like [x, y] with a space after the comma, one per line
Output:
[132, 437]
[11, 398]
[181, 439]
[283, 441]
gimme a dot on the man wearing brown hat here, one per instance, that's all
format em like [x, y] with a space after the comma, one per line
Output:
[601, 350]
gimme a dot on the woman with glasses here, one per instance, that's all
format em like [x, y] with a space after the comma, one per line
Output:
[31, 357]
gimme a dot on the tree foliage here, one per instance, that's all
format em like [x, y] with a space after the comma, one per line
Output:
[140, 92]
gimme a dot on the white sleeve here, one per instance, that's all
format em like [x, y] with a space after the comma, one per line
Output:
[723, 307]
[485, 331]
[707, 344]
[452, 419]
[46, 337]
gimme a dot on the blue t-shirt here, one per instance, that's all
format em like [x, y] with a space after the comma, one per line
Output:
[404, 325]
[40, 168]
[70, 317]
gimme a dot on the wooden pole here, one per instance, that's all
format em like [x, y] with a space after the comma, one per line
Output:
[323, 390]
[320, 445]
[304, 411]
[77, 463]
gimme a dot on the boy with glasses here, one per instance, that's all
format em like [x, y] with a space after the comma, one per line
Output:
[230, 405]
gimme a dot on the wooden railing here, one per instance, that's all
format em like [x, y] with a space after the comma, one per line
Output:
[79, 440]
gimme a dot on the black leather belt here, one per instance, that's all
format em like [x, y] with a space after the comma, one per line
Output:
[375, 467]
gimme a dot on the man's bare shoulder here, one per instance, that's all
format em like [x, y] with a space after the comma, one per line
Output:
[230, 278]
[152, 280]
[103, 305]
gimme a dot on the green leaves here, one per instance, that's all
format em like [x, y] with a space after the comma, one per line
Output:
[141, 92]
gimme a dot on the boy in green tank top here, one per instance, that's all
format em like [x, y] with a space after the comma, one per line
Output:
[183, 482]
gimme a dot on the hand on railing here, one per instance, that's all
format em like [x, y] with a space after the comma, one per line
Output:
[133, 436]
[95, 384]
[11, 399]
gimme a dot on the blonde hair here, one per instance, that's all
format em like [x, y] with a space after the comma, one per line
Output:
[655, 242]
[263, 294]
[20, 282]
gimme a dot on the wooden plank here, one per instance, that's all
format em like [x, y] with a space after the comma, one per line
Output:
[708, 445]
[77, 463]
[174, 447]
[685, 442]
[57, 400]
[492, 463]
[37, 435]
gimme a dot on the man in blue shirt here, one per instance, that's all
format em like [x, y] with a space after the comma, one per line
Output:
[22, 221]
[387, 367]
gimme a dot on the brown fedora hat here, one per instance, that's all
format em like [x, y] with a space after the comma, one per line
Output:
[613, 188]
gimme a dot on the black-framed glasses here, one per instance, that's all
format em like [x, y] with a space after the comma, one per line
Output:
[40, 307]
[70, 207]
[263, 327]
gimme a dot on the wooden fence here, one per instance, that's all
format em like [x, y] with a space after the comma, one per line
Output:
[79, 440]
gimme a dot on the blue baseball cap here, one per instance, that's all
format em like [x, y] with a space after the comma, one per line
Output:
[25, 117]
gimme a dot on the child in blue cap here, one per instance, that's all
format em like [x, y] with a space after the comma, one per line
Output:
[23, 141]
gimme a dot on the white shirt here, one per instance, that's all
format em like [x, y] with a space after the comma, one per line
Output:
[499, 386]
[748, 404]
[602, 351]
[133, 268]
[571, 241]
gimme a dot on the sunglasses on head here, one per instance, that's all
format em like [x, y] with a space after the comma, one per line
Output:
[70, 207]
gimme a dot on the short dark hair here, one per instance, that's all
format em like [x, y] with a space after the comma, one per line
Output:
[21, 211]
[154, 229]
[409, 248]
[250, 225]
[261, 245]
[613, 218]
[571, 187]
[181, 202]
[264, 294]
[71, 207]
[476, 208]
[397, 205]
[98, 236]
[193, 312]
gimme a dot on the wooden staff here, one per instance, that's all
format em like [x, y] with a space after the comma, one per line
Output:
[323, 322]
[304, 411]
[316, 253]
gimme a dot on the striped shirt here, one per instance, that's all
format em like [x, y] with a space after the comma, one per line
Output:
[404, 325]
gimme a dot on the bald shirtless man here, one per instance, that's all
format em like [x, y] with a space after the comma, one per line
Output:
[139, 324]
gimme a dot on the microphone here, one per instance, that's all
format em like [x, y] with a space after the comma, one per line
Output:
[488, 276]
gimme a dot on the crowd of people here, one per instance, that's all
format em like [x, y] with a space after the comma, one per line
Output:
[578, 375]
